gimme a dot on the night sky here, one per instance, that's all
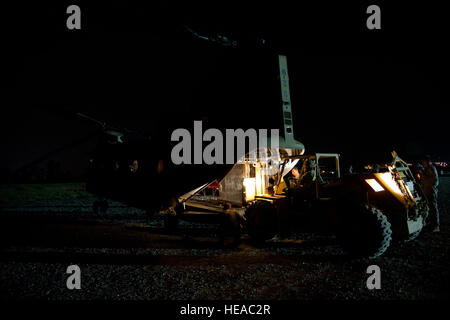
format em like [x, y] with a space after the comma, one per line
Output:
[353, 91]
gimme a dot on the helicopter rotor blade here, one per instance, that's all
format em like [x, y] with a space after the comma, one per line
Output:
[82, 115]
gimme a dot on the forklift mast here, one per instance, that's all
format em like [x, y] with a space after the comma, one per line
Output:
[288, 123]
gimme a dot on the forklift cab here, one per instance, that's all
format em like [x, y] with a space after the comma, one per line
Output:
[316, 172]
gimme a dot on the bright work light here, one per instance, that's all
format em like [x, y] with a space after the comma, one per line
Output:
[375, 185]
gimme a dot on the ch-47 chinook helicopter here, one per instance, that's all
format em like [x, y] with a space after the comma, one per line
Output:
[366, 211]
[136, 169]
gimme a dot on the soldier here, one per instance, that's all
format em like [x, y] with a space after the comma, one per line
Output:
[230, 227]
[430, 182]
[294, 179]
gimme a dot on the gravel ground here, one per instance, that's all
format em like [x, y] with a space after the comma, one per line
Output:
[75, 208]
[313, 267]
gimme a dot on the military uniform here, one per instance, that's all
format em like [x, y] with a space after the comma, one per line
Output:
[430, 182]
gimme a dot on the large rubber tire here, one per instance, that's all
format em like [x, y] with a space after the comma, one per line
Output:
[230, 229]
[364, 231]
[261, 221]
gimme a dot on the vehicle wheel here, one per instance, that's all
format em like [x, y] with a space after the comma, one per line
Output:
[364, 231]
[100, 207]
[261, 220]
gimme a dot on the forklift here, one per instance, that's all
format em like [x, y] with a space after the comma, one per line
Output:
[366, 211]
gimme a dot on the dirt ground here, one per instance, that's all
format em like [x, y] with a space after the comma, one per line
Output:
[124, 256]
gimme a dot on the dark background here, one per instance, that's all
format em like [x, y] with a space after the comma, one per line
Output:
[358, 92]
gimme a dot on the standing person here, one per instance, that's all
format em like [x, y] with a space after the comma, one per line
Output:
[230, 226]
[430, 182]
